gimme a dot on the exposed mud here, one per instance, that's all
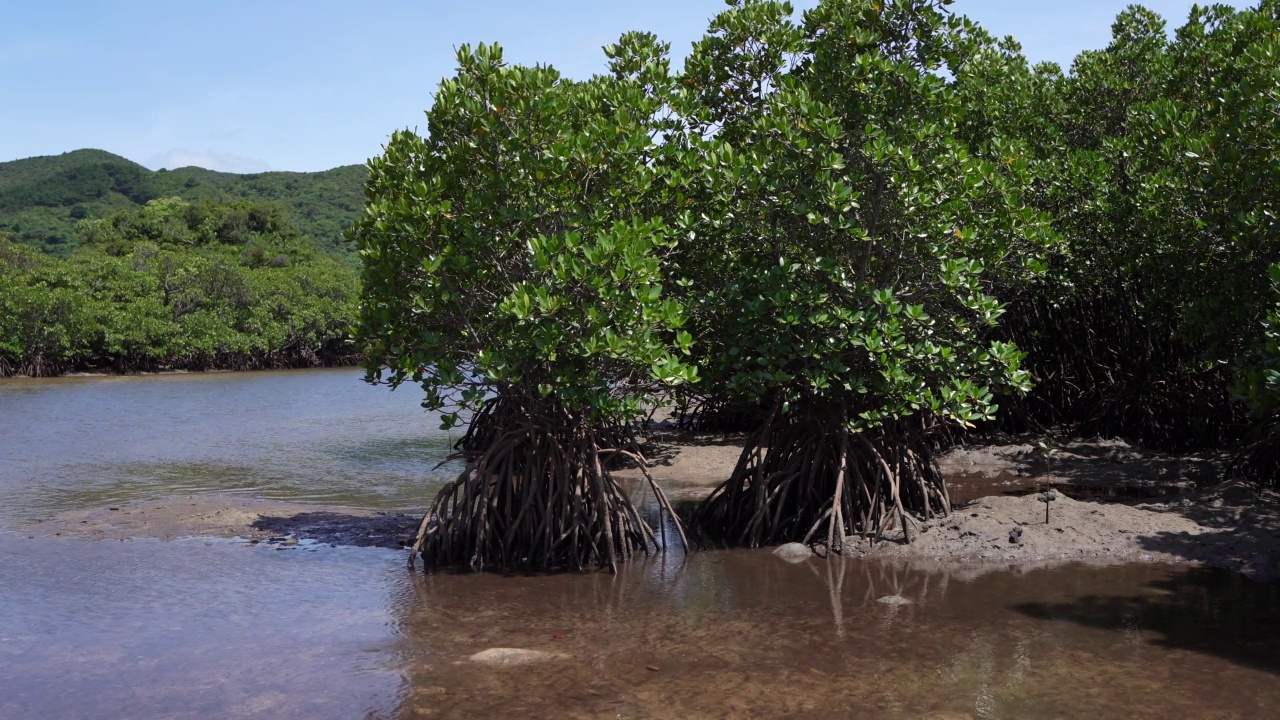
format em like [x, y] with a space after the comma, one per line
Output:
[1111, 502]
[230, 516]
[341, 527]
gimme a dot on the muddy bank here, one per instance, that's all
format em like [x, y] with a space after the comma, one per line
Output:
[1111, 503]
[228, 516]
[689, 466]
[1014, 530]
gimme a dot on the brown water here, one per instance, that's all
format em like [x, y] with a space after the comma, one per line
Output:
[218, 629]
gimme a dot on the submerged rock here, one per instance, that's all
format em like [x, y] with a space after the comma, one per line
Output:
[895, 600]
[793, 552]
[513, 656]
[1258, 569]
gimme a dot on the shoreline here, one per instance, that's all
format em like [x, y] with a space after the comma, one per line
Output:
[1128, 506]
[176, 371]
[229, 517]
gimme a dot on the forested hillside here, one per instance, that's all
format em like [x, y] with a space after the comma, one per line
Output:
[42, 198]
[177, 285]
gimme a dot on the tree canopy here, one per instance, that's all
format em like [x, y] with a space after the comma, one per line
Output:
[42, 198]
[519, 247]
[175, 285]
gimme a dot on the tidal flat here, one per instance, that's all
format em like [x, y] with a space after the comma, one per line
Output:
[252, 566]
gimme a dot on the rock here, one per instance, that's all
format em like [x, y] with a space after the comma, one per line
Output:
[513, 656]
[1015, 535]
[894, 600]
[793, 552]
[1258, 569]
[291, 541]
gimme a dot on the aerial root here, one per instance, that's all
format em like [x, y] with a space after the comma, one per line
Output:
[806, 477]
[536, 494]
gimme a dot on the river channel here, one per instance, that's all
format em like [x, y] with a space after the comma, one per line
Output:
[218, 628]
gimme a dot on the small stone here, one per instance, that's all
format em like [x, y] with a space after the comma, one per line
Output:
[894, 600]
[1257, 569]
[793, 552]
[512, 656]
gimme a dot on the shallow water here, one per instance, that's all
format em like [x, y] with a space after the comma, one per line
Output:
[308, 435]
[219, 629]
[145, 629]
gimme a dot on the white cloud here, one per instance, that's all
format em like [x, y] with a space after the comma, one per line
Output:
[209, 160]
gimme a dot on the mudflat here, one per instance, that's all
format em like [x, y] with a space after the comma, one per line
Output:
[1106, 501]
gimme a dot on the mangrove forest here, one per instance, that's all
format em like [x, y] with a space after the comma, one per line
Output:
[174, 285]
[854, 234]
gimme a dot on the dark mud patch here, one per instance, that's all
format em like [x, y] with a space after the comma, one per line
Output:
[385, 530]
[967, 488]
[1098, 468]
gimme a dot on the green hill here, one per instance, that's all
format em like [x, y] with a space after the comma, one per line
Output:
[42, 198]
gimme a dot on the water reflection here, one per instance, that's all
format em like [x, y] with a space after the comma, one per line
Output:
[189, 629]
[735, 634]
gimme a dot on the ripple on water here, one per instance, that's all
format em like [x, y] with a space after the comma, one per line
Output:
[196, 629]
[306, 436]
[223, 630]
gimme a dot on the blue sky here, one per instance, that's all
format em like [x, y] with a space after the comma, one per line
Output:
[252, 85]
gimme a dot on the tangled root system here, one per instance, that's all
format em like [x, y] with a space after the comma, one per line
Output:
[1108, 366]
[1258, 462]
[536, 494]
[806, 477]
